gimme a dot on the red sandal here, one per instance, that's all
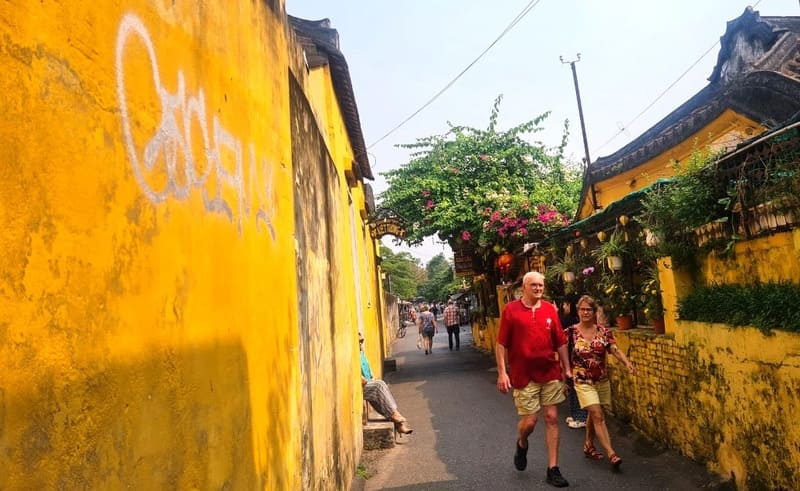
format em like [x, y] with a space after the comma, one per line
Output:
[591, 453]
[615, 462]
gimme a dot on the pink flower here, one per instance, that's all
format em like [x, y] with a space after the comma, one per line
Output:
[483, 157]
[495, 216]
[588, 271]
[429, 205]
[465, 235]
[426, 193]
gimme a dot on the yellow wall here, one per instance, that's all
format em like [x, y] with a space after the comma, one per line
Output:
[721, 395]
[725, 131]
[148, 294]
[724, 396]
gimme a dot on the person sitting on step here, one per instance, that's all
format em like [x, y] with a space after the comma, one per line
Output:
[377, 393]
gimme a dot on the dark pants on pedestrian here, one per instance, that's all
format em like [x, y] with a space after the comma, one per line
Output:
[451, 330]
[575, 410]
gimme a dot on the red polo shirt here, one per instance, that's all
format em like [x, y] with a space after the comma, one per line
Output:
[529, 340]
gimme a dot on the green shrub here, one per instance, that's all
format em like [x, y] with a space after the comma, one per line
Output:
[766, 306]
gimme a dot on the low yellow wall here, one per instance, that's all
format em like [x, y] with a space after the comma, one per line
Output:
[724, 396]
[484, 333]
[771, 258]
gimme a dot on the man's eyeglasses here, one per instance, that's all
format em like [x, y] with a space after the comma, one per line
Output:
[586, 309]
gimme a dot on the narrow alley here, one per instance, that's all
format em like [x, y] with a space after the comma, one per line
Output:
[464, 432]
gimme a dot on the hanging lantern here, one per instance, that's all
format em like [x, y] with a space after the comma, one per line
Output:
[601, 236]
[623, 220]
[569, 250]
[504, 262]
[584, 243]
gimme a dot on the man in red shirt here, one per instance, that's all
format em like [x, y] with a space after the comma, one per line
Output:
[529, 338]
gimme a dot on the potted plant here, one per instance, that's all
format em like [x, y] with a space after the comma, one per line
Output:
[652, 302]
[564, 268]
[612, 250]
[617, 299]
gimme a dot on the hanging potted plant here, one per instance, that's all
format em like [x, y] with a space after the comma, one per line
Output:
[612, 250]
[564, 269]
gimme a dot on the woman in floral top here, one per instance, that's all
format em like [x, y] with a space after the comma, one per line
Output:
[589, 343]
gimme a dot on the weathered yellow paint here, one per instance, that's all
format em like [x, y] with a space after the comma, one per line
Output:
[675, 284]
[728, 129]
[721, 395]
[484, 335]
[148, 315]
[765, 259]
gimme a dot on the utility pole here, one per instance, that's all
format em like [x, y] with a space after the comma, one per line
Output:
[583, 125]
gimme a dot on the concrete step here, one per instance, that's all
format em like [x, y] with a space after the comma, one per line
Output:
[378, 434]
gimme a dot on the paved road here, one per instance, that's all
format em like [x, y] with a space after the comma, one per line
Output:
[464, 433]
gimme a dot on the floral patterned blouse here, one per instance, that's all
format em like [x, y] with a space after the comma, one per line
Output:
[588, 356]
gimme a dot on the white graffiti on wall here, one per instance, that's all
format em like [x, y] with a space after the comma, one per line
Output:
[172, 147]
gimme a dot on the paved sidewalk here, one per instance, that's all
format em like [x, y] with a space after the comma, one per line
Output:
[464, 434]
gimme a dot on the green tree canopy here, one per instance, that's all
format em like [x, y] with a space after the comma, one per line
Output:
[485, 188]
[439, 283]
[403, 270]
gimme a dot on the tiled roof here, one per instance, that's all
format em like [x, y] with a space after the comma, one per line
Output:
[757, 75]
[321, 43]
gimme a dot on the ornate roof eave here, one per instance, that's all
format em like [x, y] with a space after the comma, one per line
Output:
[741, 81]
[768, 98]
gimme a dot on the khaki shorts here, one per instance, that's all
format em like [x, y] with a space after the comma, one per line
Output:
[599, 393]
[530, 399]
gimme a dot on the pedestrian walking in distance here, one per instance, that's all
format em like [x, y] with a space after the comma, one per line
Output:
[530, 336]
[452, 324]
[426, 323]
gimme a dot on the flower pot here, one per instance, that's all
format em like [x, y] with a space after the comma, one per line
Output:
[658, 326]
[568, 276]
[624, 322]
[615, 263]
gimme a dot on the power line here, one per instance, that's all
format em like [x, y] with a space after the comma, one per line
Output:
[508, 28]
[621, 130]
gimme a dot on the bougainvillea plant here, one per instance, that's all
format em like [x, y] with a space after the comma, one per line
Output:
[489, 189]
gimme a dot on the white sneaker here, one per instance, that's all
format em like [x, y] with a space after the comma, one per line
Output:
[569, 420]
[576, 424]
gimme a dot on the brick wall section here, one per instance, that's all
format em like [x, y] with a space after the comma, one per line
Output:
[723, 396]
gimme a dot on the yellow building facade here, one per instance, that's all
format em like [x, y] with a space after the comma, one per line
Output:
[166, 318]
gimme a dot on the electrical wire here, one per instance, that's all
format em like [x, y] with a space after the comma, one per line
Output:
[508, 28]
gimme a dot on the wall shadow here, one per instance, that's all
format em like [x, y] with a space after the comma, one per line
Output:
[176, 419]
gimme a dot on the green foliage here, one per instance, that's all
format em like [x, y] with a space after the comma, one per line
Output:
[440, 280]
[455, 182]
[403, 270]
[617, 297]
[672, 210]
[614, 245]
[652, 302]
[765, 306]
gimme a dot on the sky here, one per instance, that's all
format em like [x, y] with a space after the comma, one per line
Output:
[401, 53]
